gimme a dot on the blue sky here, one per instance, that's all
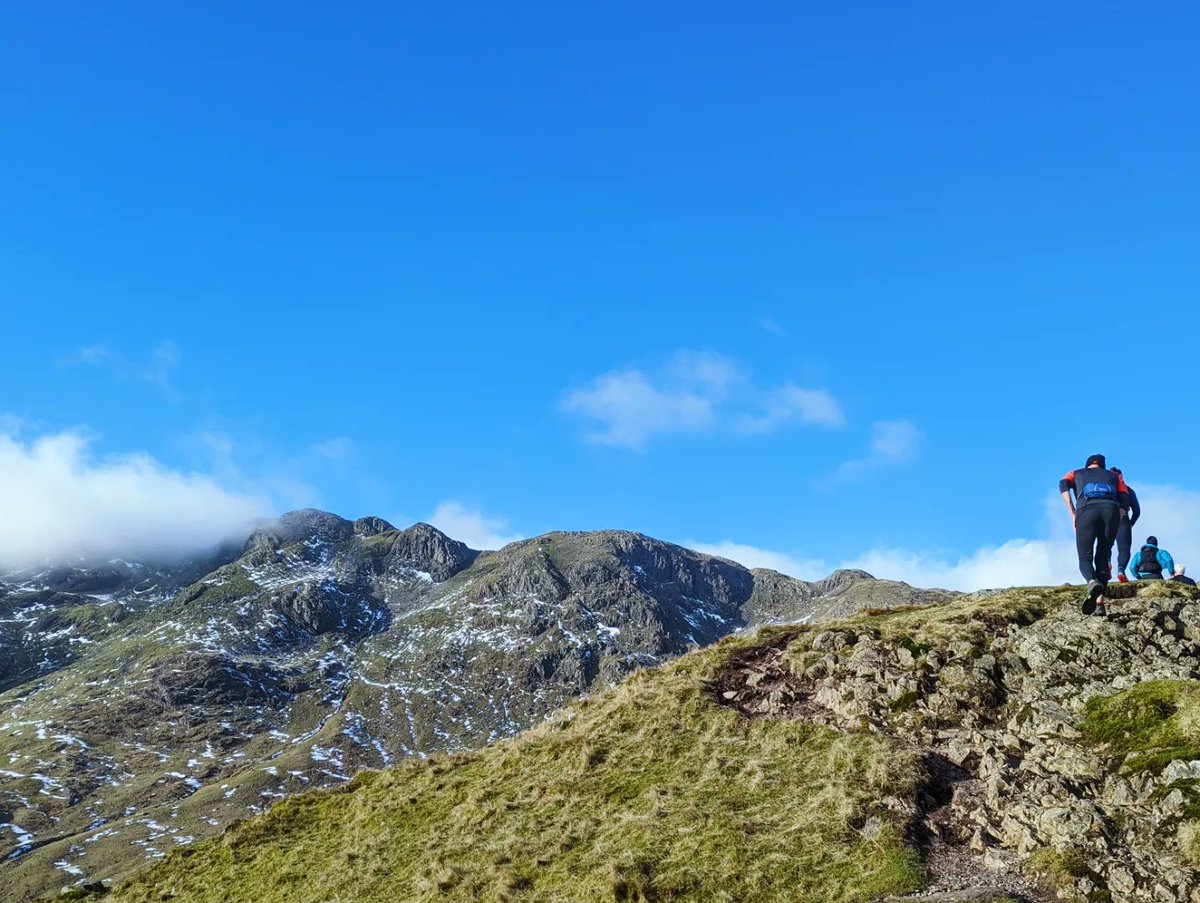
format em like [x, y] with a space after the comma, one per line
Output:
[846, 286]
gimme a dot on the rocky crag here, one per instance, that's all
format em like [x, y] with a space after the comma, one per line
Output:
[999, 747]
[148, 707]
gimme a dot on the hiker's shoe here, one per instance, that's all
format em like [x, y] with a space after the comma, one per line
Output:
[1121, 578]
[1094, 589]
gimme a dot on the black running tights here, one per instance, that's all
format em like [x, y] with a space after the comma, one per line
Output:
[1095, 532]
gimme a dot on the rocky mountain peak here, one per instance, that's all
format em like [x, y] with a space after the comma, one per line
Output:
[372, 526]
[302, 525]
[426, 548]
[843, 577]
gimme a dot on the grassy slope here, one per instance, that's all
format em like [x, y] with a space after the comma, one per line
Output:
[1151, 724]
[648, 792]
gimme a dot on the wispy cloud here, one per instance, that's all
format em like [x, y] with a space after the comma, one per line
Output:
[338, 448]
[158, 368]
[473, 526]
[247, 464]
[790, 403]
[770, 325]
[695, 394]
[893, 442]
[63, 501]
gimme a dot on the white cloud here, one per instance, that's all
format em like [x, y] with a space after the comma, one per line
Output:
[714, 373]
[770, 325]
[814, 407]
[62, 501]
[631, 409]
[472, 526]
[247, 466]
[1170, 513]
[1018, 562]
[753, 557]
[695, 394]
[893, 442]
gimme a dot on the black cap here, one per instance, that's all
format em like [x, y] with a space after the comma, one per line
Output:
[1095, 459]
[1116, 470]
[1151, 540]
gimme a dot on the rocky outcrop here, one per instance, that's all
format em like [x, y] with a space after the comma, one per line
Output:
[1006, 696]
[308, 609]
[429, 550]
[306, 525]
[215, 680]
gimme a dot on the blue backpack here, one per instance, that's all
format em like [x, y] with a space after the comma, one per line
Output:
[1096, 492]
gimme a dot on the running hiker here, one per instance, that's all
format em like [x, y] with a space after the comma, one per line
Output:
[1125, 531]
[1100, 500]
[1151, 562]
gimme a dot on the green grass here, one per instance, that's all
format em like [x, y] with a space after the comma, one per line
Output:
[1188, 836]
[1150, 725]
[234, 584]
[378, 545]
[651, 792]
[1059, 870]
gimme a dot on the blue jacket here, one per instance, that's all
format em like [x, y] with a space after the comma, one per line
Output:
[1163, 557]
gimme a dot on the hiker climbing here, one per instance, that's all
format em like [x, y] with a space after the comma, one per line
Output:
[1151, 562]
[1100, 501]
[1125, 530]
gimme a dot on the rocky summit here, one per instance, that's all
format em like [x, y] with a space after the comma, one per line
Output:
[148, 705]
[1002, 747]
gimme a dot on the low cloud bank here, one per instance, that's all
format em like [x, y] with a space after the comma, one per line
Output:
[1168, 512]
[62, 501]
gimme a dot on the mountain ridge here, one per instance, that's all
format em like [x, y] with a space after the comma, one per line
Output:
[161, 711]
[1001, 748]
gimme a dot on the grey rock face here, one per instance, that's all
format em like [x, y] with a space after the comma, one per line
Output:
[372, 526]
[429, 550]
[305, 525]
[1004, 698]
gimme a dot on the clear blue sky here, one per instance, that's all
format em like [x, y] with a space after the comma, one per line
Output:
[565, 265]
